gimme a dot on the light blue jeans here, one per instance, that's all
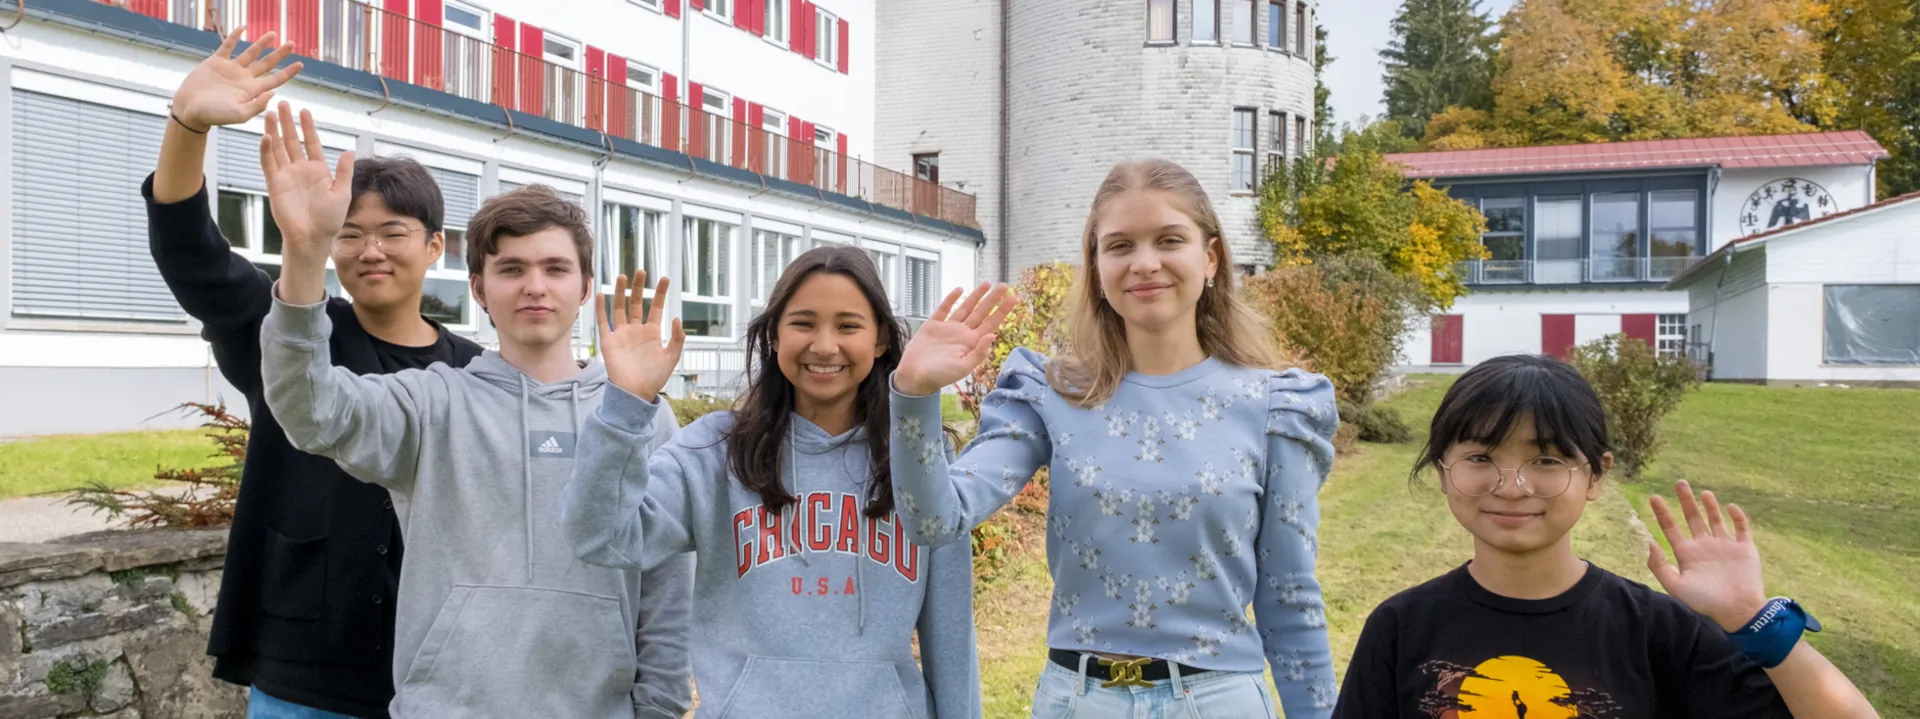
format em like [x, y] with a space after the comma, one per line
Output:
[261, 706]
[1064, 693]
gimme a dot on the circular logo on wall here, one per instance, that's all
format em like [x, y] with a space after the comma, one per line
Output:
[1784, 202]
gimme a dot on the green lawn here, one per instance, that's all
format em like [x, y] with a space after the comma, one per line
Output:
[51, 464]
[1834, 507]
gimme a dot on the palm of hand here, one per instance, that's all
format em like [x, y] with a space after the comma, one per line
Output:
[1716, 569]
[630, 346]
[953, 341]
[226, 90]
[303, 200]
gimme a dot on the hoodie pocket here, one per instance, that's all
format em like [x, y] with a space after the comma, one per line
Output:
[774, 687]
[521, 651]
[294, 577]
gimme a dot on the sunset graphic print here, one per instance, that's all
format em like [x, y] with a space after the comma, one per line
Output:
[1509, 687]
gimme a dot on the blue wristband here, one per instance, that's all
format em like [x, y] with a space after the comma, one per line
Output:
[1770, 636]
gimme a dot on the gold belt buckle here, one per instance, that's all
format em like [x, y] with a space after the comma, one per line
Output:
[1125, 673]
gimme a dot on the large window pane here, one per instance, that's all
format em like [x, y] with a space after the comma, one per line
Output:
[444, 301]
[1243, 28]
[232, 214]
[1159, 20]
[1206, 20]
[1674, 237]
[704, 319]
[1276, 24]
[1616, 236]
[1873, 324]
[1556, 243]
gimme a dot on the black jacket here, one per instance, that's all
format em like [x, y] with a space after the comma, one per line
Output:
[313, 557]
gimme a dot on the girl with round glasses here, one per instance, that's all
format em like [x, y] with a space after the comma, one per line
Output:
[1529, 629]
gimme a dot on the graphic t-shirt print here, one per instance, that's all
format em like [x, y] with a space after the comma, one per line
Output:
[1509, 687]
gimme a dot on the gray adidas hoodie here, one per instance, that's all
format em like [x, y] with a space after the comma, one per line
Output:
[496, 617]
[807, 613]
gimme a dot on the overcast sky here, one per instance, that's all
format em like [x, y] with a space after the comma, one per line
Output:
[1356, 32]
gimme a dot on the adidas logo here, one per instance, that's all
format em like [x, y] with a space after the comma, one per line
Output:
[551, 446]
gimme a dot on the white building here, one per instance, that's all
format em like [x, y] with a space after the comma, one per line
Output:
[1028, 104]
[1831, 300]
[91, 340]
[1584, 238]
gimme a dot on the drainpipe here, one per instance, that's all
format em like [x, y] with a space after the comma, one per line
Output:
[1006, 21]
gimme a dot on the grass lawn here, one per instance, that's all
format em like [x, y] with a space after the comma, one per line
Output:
[52, 464]
[1836, 506]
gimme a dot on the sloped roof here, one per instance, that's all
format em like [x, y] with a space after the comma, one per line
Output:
[1760, 238]
[1851, 147]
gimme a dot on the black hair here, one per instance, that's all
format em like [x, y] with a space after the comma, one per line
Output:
[405, 185]
[765, 412]
[1483, 405]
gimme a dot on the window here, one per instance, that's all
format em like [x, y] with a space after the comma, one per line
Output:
[1506, 239]
[722, 9]
[1277, 24]
[886, 259]
[1873, 324]
[826, 50]
[772, 252]
[926, 166]
[649, 4]
[1556, 240]
[463, 18]
[1206, 21]
[776, 11]
[1300, 29]
[1616, 236]
[825, 157]
[1670, 335]
[1300, 135]
[1243, 134]
[923, 281]
[562, 93]
[1243, 28]
[1276, 140]
[561, 51]
[774, 124]
[714, 104]
[706, 304]
[635, 242]
[642, 111]
[1159, 20]
[1674, 238]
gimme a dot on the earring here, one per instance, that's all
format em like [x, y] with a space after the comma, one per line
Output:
[1209, 283]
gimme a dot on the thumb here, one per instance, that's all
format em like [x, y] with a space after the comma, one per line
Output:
[258, 105]
[600, 320]
[677, 341]
[980, 349]
[343, 174]
[1657, 563]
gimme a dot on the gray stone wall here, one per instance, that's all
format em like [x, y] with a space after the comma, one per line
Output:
[112, 624]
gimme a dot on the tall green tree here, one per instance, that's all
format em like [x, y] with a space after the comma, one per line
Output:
[1872, 55]
[1440, 57]
[1322, 96]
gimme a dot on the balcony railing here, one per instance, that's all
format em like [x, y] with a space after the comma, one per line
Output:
[399, 48]
[1573, 272]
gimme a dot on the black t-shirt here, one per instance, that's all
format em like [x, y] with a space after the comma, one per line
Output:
[1608, 648]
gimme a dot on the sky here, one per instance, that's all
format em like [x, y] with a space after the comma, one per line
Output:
[1356, 32]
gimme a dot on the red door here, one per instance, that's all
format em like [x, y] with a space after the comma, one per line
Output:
[1447, 339]
[1640, 327]
[1556, 335]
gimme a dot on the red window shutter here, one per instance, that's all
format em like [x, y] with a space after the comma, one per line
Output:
[739, 124]
[617, 96]
[696, 119]
[760, 16]
[533, 76]
[428, 57]
[673, 8]
[263, 16]
[756, 137]
[742, 14]
[396, 40]
[303, 25]
[504, 33]
[596, 88]
[805, 141]
[794, 148]
[150, 8]
[1641, 327]
[1556, 335]
[843, 47]
[670, 112]
[813, 30]
[1446, 338]
[797, 30]
[697, 4]
[840, 163]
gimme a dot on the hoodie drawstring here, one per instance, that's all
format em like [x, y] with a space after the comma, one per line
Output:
[526, 474]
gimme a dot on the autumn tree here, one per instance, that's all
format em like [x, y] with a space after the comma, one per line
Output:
[1322, 95]
[1440, 57]
[1872, 57]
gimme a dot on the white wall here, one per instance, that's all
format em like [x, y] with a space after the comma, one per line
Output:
[1738, 327]
[1850, 185]
[1499, 323]
[1880, 247]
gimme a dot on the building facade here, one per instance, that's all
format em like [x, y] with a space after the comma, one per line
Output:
[1583, 239]
[91, 340]
[1028, 105]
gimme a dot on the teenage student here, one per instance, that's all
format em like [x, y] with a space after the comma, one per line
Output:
[1184, 468]
[1527, 628]
[305, 616]
[807, 593]
[495, 618]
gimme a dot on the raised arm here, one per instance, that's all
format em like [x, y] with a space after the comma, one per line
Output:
[949, 655]
[1287, 606]
[941, 502]
[1716, 572]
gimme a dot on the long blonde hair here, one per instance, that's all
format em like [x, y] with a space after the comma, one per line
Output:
[1097, 358]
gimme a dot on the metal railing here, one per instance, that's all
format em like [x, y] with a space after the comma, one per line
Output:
[1572, 272]
[362, 37]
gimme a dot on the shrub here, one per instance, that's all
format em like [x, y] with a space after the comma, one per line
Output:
[1638, 388]
[1374, 423]
[1037, 322]
[209, 493]
[689, 409]
[1344, 316]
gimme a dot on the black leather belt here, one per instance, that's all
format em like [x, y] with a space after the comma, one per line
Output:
[1152, 670]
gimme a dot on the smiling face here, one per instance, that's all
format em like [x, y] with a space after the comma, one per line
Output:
[826, 340]
[1509, 519]
[382, 256]
[533, 287]
[1153, 260]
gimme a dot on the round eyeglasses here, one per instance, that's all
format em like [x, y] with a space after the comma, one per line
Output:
[1478, 476]
[389, 241]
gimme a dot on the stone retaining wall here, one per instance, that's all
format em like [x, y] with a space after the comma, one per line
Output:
[112, 624]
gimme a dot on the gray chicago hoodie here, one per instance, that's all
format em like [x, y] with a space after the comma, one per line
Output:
[496, 617]
[809, 613]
